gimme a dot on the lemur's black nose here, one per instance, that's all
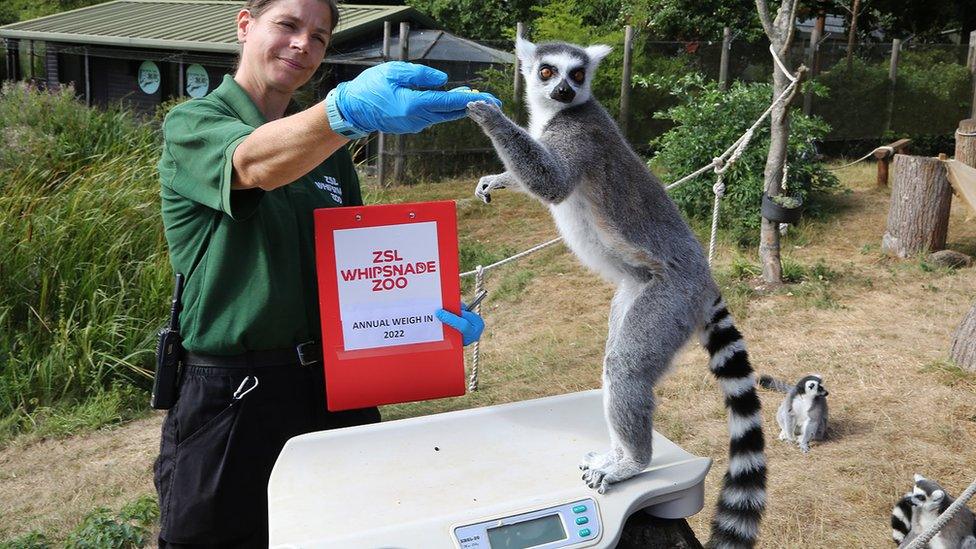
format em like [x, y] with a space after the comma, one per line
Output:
[563, 92]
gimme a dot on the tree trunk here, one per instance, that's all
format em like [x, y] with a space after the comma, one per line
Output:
[852, 35]
[963, 350]
[769, 252]
[780, 34]
[966, 144]
[918, 216]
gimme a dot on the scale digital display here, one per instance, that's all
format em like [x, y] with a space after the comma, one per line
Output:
[530, 533]
[574, 524]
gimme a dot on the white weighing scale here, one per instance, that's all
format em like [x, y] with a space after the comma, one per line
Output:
[500, 477]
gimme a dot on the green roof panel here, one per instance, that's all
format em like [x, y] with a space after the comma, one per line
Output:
[191, 25]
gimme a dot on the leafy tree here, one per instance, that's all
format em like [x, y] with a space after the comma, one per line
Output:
[477, 19]
[707, 121]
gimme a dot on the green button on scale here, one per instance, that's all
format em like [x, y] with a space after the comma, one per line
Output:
[582, 520]
[579, 509]
[584, 532]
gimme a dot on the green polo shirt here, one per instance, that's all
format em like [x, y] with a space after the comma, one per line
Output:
[248, 255]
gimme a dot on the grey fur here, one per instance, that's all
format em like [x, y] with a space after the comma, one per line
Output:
[929, 500]
[618, 220]
[804, 408]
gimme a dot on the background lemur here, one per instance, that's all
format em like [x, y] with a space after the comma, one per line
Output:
[915, 512]
[618, 220]
[804, 408]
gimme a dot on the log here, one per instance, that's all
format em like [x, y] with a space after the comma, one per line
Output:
[918, 215]
[963, 350]
[966, 142]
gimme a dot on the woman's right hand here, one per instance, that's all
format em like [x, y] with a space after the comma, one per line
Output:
[396, 97]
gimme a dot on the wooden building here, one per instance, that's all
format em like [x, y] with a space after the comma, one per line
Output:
[144, 52]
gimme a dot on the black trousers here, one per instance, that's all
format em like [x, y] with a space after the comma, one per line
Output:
[216, 451]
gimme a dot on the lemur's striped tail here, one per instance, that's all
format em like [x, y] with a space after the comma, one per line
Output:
[743, 496]
[901, 518]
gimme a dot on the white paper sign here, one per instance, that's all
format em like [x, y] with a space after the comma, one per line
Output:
[389, 285]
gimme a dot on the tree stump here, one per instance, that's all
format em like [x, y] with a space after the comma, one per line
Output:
[966, 142]
[918, 215]
[964, 342]
[642, 531]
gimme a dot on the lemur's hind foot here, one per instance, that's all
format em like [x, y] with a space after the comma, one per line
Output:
[601, 478]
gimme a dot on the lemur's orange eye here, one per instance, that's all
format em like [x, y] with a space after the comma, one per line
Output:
[578, 75]
[546, 73]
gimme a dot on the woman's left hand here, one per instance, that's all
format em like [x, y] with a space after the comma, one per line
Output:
[470, 324]
[398, 97]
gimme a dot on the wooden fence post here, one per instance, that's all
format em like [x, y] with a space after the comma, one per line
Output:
[966, 142]
[918, 215]
[812, 63]
[625, 80]
[381, 137]
[399, 166]
[892, 80]
[723, 64]
[972, 70]
[517, 77]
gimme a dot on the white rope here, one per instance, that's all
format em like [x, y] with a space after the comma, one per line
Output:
[513, 258]
[779, 63]
[944, 518]
[849, 164]
[965, 134]
[719, 190]
[479, 285]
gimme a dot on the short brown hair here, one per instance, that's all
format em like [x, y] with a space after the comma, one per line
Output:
[257, 7]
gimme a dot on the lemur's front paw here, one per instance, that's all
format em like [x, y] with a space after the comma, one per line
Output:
[805, 448]
[483, 111]
[487, 184]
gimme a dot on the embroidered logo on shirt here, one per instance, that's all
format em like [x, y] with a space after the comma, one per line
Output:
[330, 185]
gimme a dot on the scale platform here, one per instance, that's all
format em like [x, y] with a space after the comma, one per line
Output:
[502, 476]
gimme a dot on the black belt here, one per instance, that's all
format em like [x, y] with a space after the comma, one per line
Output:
[303, 354]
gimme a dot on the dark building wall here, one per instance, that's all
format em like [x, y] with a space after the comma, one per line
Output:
[114, 80]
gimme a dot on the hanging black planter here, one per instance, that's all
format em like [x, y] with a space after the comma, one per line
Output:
[780, 213]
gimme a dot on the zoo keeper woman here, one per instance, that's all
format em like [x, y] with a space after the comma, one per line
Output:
[239, 182]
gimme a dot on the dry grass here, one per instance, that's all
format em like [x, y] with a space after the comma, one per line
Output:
[879, 330]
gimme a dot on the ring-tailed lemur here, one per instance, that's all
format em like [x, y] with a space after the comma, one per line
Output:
[615, 215]
[918, 510]
[804, 408]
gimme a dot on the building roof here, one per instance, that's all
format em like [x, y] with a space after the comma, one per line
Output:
[194, 25]
[425, 45]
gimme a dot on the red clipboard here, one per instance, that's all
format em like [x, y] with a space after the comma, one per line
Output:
[370, 261]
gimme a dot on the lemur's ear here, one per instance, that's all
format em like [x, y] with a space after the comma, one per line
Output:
[919, 477]
[598, 52]
[938, 495]
[525, 51]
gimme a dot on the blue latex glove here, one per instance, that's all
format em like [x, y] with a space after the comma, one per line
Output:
[469, 324]
[395, 97]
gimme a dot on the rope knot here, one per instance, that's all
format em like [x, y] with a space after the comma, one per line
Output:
[719, 164]
[719, 188]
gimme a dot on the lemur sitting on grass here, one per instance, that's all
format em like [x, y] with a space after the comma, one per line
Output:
[616, 217]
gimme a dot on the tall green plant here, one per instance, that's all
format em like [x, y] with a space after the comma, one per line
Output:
[84, 274]
[708, 121]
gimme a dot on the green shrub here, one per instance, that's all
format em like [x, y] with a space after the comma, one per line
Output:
[707, 122]
[129, 528]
